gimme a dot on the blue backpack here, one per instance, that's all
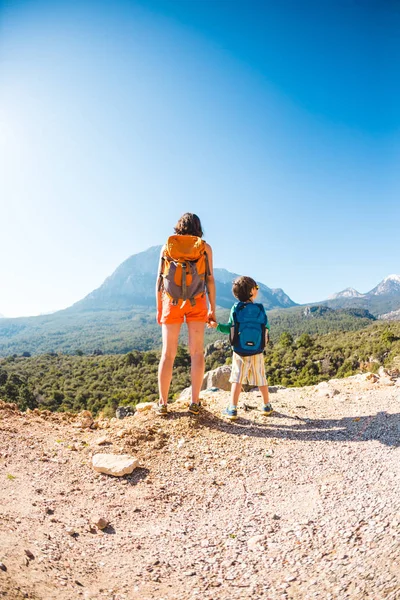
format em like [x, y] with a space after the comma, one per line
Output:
[248, 329]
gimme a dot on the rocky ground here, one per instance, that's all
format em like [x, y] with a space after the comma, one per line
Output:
[302, 504]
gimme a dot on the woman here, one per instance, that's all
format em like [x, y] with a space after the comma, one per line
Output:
[185, 277]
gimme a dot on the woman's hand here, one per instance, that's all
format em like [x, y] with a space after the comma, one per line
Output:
[211, 324]
[210, 315]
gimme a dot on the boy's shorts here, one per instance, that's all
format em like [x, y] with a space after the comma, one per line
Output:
[248, 369]
[176, 313]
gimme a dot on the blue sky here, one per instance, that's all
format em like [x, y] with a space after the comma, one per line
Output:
[277, 123]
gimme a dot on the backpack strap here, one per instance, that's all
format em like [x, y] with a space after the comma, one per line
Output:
[184, 287]
[207, 273]
[160, 278]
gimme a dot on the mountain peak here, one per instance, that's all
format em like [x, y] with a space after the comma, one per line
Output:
[347, 293]
[133, 284]
[389, 285]
[392, 278]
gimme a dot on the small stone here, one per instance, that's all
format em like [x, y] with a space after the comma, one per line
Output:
[100, 522]
[189, 466]
[3, 566]
[30, 554]
[102, 440]
[70, 530]
[255, 542]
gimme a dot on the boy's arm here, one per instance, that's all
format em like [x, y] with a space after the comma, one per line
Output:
[226, 327]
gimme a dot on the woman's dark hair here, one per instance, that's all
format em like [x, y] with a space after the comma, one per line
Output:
[189, 224]
[242, 287]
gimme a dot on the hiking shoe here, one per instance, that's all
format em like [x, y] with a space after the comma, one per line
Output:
[194, 408]
[161, 410]
[230, 413]
[267, 409]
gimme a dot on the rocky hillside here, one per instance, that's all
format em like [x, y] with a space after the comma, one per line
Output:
[303, 504]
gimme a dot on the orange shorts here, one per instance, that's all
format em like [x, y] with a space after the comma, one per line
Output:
[176, 313]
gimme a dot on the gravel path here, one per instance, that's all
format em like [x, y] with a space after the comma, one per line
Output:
[302, 504]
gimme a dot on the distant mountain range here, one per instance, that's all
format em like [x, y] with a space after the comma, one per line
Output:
[383, 298]
[133, 284]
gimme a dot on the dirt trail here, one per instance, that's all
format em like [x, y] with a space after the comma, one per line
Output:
[302, 504]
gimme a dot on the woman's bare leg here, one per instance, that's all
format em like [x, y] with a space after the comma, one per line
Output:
[170, 336]
[196, 349]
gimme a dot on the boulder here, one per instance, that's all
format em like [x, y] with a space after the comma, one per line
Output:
[273, 389]
[114, 464]
[217, 345]
[124, 411]
[185, 394]
[218, 378]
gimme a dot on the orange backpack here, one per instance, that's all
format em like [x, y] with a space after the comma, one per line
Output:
[184, 268]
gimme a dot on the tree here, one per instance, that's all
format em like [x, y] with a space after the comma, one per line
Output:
[286, 339]
[26, 399]
[388, 336]
[304, 341]
[3, 376]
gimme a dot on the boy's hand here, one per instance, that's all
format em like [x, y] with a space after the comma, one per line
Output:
[212, 324]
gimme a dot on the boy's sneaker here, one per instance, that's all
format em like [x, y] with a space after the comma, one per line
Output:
[230, 413]
[194, 408]
[161, 410]
[267, 409]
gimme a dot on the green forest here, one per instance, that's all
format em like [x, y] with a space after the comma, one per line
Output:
[101, 382]
[118, 332]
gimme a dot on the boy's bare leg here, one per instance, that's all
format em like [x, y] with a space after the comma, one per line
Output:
[264, 392]
[236, 388]
[267, 409]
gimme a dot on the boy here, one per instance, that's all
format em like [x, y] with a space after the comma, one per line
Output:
[246, 368]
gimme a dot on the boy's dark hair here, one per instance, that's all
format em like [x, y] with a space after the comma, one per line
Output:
[189, 224]
[242, 287]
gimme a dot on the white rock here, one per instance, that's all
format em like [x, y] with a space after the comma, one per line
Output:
[114, 464]
[386, 381]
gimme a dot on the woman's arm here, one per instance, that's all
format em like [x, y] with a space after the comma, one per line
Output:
[210, 281]
[158, 291]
